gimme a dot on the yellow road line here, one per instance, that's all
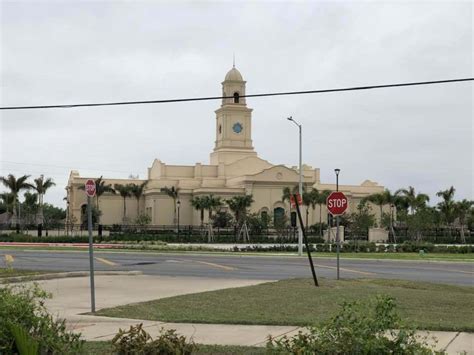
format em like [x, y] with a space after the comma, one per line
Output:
[348, 270]
[105, 261]
[228, 268]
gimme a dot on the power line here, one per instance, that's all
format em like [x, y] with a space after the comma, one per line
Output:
[121, 103]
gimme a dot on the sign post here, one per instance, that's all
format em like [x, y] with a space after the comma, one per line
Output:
[90, 189]
[337, 205]
[297, 197]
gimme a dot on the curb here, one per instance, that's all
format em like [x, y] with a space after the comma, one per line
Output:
[62, 275]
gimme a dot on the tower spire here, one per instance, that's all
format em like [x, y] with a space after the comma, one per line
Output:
[233, 60]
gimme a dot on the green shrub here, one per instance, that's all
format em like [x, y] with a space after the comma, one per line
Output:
[359, 246]
[137, 341]
[359, 328]
[24, 342]
[22, 307]
[416, 247]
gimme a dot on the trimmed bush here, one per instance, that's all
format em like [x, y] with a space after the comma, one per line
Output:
[137, 341]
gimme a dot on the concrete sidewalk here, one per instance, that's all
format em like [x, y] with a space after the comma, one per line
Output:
[71, 298]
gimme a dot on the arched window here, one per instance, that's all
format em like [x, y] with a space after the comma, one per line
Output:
[279, 217]
[236, 97]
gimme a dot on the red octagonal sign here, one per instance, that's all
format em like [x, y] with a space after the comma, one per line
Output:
[336, 203]
[90, 188]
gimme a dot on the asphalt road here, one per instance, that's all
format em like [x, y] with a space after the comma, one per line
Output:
[242, 267]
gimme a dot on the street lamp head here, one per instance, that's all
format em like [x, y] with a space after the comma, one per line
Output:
[337, 171]
[178, 203]
[290, 118]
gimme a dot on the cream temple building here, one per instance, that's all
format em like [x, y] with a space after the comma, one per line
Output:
[234, 169]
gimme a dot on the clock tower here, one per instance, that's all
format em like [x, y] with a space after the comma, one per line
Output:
[233, 122]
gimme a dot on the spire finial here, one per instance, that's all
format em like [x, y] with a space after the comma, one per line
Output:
[233, 60]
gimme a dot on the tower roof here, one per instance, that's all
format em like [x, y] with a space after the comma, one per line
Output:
[233, 75]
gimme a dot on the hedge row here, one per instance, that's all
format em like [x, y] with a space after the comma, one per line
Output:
[365, 247]
[168, 238]
[316, 245]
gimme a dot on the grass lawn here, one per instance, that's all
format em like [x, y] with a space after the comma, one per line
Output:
[403, 256]
[105, 348]
[6, 272]
[298, 302]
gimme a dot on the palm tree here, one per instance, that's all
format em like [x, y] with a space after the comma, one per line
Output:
[288, 192]
[124, 191]
[41, 186]
[212, 203]
[413, 200]
[137, 191]
[172, 192]
[100, 189]
[401, 202]
[7, 199]
[387, 198]
[309, 200]
[239, 205]
[30, 207]
[379, 199]
[392, 200]
[199, 204]
[16, 185]
[321, 198]
[446, 206]
[462, 210]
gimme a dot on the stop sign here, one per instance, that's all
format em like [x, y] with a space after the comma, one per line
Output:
[90, 188]
[336, 203]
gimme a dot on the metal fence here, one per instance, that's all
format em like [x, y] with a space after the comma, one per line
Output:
[192, 232]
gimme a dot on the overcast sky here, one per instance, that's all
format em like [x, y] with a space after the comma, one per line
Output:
[63, 52]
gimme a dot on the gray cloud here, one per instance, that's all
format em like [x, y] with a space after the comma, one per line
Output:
[68, 52]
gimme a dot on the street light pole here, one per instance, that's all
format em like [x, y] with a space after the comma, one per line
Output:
[338, 242]
[300, 187]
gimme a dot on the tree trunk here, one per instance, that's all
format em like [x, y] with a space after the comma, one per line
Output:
[98, 209]
[39, 214]
[463, 238]
[138, 207]
[124, 209]
[202, 216]
[381, 213]
[175, 219]
[16, 215]
[320, 221]
[307, 214]
[419, 236]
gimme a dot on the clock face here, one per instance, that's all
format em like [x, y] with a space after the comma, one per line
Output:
[237, 127]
